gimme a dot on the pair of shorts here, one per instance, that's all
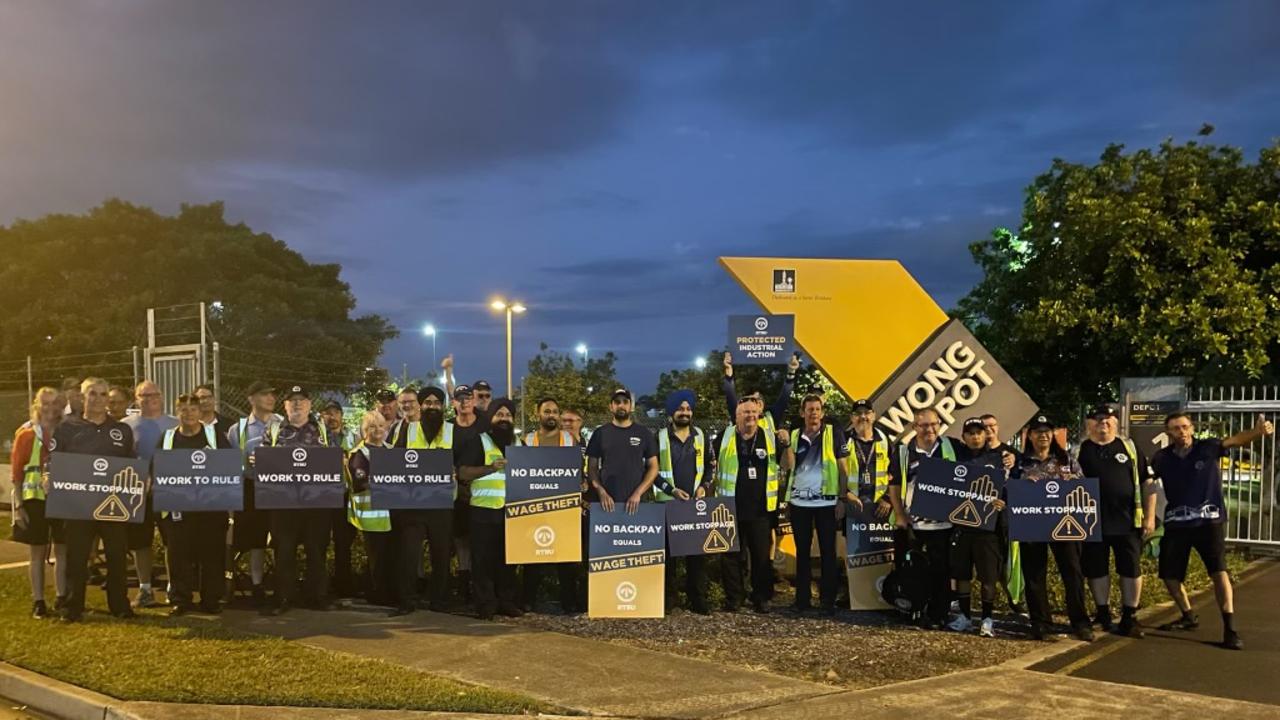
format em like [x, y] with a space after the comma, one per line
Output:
[250, 526]
[39, 530]
[975, 549]
[142, 535]
[1209, 541]
[1095, 557]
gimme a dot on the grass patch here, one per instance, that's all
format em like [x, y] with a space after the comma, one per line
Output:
[191, 660]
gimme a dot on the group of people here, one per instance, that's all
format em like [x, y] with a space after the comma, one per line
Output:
[813, 475]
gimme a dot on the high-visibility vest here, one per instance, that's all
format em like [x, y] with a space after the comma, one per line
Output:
[242, 435]
[531, 439]
[210, 437]
[490, 491]
[417, 439]
[360, 512]
[728, 473]
[33, 471]
[904, 459]
[664, 461]
[830, 465]
[414, 440]
[1137, 485]
[879, 475]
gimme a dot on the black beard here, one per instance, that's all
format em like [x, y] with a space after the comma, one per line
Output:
[550, 424]
[432, 421]
[621, 414]
[681, 421]
[504, 433]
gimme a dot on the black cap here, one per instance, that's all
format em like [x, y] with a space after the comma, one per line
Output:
[1101, 410]
[860, 405]
[332, 405]
[1040, 422]
[481, 385]
[295, 391]
[462, 391]
[621, 391]
[385, 396]
[257, 387]
[431, 390]
[974, 423]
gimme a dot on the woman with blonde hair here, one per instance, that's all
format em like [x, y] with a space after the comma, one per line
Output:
[31, 446]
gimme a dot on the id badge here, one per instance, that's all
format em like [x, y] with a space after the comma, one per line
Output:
[751, 472]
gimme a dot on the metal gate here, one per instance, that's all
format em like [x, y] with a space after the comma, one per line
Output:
[176, 358]
[174, 374]
[1249, 474]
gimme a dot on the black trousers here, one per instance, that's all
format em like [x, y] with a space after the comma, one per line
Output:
[310, 528]
[755, 536]
[344, 536]
[382, 551]
[197, 556]
[935, 547]
[695, 580]
[493, 578]
[567, 577]
[1035, 562]
[803, 522]
[115, 548]
[436, 528]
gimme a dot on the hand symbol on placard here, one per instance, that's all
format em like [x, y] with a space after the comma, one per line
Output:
[1082, 499]
[132, 484]
[722, 516]
[984, 487]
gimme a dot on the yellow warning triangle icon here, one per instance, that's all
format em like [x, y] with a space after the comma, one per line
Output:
[1069, 529]
[966, 515]
[715, 543]
[111, 510]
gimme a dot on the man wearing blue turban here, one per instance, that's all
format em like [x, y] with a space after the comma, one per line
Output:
[682, 458]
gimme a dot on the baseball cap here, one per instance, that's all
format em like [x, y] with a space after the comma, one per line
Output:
[332, 405]
[480, 385]
[972, 424]
[385, 396]
[621, 391]
[861, 405]
[257, 387]
[1101, 410]
[462, 391]
[295, 391]
[1040, 422]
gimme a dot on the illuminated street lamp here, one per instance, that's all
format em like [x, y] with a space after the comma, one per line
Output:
[700, 363]
[430, 331]
[509, 308]
[582, 350]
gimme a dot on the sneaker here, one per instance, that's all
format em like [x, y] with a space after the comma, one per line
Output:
[1129, 627]
[1189, 621]
[987, 628]
[962, 623]
[178, 610]
[38, 610]
[145, 599]
[1020, 610]
[1104, 622]
[1083, 631]
[125, 615]
[1232, 641]
[60, 603]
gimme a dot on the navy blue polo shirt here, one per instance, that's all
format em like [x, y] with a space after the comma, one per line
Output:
[1192, 483]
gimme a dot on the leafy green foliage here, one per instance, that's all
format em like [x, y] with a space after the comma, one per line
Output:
[1155, 262]
[585, 388]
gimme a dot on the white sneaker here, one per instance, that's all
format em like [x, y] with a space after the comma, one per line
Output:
[962, 623]
[987, 629]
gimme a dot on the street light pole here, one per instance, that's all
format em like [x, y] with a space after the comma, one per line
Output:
[510, 309]
[509, 352]
[430, 330]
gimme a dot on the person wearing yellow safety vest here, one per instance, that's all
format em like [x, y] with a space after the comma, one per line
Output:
[568, 574]
[922, 537]
[249, 527]
[310, 526]
[748, 468]
[410, 405]
[194, 539]
[1121, 469]
[482, 465]
[28, 459]
[684, 471]
[374, 525]
[874, 467]
[435, 527]
[819, 483]
[343, 535]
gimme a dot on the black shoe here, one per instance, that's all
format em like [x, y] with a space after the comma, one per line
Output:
[124, 615]
[401, 611]
[700, 609]
[1104, 622]
[761, 607]
[510, 610]
[802, 609]
[1083, 631]
[259, 597]
[829, 610]
[1038, 632]
[211, 608]
[1129, 627]
[71, 617]
[38, 610]
[1232, 641]
[178, 610]
[60, 603]
[731, 607]
[1019, 609]
[485, 614]
[1188, 621]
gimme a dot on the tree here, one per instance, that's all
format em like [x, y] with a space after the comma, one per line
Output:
[82, 283]
[556, 375]
[1155, 262]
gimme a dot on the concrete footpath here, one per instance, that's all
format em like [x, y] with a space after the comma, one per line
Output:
[1192, 661]
[586, 676]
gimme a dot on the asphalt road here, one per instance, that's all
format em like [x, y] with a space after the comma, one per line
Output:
[10, 710]
[1193, 661]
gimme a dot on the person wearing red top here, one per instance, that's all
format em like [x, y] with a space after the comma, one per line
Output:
[31, 446]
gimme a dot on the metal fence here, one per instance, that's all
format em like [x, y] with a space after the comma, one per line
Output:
[1249, 474]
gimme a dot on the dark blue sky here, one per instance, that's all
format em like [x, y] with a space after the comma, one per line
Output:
[594, 158]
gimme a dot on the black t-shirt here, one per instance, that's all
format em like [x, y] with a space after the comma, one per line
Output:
[1192, 483]
[463, 436]
[623, 453]
[1113, 467]
[752, 453]
[77, 435]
